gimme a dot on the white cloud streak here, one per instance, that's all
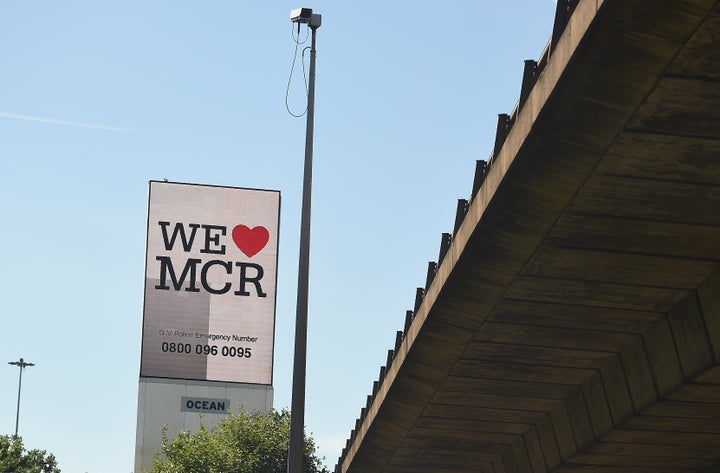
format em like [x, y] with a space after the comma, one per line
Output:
[54, 121]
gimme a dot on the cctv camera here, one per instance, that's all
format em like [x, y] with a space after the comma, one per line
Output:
[301, 15]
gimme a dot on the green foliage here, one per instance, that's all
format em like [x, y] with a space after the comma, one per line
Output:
[15, 459]
[240, 443]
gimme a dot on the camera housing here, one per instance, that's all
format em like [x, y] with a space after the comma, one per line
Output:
[305, 15]
[301, 15]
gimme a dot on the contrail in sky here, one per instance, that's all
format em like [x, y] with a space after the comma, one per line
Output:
[53, 121]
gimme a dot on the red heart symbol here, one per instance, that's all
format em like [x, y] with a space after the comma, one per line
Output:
[250, 240]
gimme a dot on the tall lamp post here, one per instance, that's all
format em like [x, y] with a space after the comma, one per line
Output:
[297, 419]
[22, 364]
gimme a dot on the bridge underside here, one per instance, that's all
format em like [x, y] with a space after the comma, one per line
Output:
[574, 323]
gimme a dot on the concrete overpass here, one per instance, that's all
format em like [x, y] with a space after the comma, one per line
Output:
[573, 321]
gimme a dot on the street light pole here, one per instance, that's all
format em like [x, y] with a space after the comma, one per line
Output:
[22, 364]
[297, 409]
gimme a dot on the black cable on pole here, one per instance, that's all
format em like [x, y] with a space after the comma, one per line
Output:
[297, 41]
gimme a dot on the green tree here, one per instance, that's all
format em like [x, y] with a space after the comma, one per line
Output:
[240, 443]
[15, 459]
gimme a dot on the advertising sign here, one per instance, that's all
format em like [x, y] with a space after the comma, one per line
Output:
[210, 279]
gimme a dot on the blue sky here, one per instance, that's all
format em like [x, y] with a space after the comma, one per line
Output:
[98, 97]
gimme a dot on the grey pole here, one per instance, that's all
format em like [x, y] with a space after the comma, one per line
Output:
[297, 419]
[22, 364]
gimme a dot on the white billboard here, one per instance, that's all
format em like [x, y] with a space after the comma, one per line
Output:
[210, 280]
